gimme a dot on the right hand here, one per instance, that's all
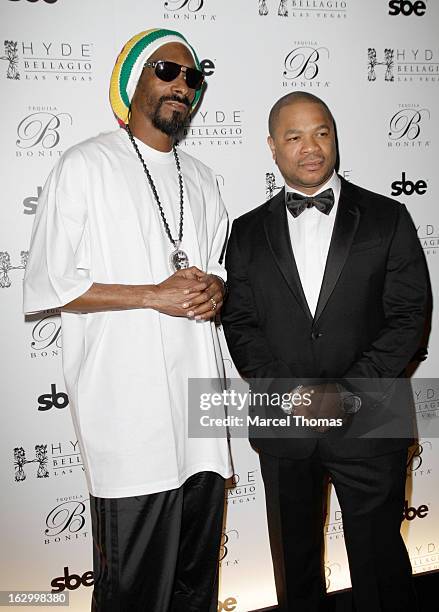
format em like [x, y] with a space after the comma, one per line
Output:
[169, 296]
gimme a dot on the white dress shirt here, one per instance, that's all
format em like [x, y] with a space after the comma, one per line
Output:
[310, 235]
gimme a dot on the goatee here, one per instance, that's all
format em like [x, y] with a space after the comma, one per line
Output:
[173, 125]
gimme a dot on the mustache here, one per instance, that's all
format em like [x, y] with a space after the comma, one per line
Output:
[182, 99]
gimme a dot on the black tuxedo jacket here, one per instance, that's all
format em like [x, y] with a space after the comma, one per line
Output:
[368, 322]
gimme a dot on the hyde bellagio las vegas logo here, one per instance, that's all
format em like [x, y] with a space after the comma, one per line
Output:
[242, 488]
[428, 235]
[45, 460]
[402, 65]
[40, 133]
[214, 127]
[320, 9]
[48, 61]
[6, 267]
[426, 396]
[189, 10]
[333, 529]
[424, 555]
[305, 66]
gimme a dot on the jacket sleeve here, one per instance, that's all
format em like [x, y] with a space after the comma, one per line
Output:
[405, 295]
[246, 341]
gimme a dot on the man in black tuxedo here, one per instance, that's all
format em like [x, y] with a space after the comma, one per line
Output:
[328, 281]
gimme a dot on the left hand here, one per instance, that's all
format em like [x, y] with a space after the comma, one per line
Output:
[325, 404]
[208, 303]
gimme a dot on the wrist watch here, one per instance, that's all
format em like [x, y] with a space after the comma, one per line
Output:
[350, 402]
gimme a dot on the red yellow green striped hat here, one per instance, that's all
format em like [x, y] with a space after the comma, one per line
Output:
[129, 66]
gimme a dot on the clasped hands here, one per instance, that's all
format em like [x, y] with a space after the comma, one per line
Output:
[326, 403]
[190, 293]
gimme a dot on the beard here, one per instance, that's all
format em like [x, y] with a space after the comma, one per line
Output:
[174, 124]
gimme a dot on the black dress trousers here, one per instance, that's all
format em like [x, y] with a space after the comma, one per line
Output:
[371, 496]
[159, 552]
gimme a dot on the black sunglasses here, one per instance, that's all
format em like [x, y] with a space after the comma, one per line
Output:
[168, 71]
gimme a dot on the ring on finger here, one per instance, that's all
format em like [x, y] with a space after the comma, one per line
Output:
[213, 303]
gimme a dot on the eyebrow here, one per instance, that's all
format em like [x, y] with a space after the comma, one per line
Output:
[325, 126]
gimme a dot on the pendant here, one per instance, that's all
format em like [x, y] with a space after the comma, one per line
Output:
[178, 259]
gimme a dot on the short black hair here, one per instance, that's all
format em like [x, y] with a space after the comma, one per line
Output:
[290, 98]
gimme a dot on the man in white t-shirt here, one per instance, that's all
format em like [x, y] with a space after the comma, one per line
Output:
[128, 241]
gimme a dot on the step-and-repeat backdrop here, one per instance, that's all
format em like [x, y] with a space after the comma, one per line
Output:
[375, 63]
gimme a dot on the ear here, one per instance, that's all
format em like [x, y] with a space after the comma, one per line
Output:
[272, 146]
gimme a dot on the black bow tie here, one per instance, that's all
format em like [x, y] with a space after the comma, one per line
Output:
[297, 203]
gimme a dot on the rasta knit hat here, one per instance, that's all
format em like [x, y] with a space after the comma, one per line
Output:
[129, 66]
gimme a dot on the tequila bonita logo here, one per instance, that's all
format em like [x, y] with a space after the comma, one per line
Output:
[226, 559]
[67, 520]
[320, 9]
[407, 127]
[418, 463]
[40, 132]
[188, 10]
[305, 66]
[48, 61]
[46, 335]
[331, 571]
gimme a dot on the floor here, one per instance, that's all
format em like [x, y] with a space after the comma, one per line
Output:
[427, 588]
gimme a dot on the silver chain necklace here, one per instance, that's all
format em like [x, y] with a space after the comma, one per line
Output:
[178, 259]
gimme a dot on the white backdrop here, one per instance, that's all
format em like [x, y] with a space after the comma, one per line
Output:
[378, 72]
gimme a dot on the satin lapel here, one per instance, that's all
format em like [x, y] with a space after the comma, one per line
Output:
[346, 223]
[276, 230]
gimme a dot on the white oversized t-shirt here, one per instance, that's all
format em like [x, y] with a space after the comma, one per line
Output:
[127, 371]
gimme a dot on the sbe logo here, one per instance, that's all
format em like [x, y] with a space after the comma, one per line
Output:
[71, 581]
[410, 513]
[49, 400]
[228, 605]
[405, 7]
[408, 187]
[30, 203]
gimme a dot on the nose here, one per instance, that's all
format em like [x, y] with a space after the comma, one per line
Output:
[179, 85]
[310, 144]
